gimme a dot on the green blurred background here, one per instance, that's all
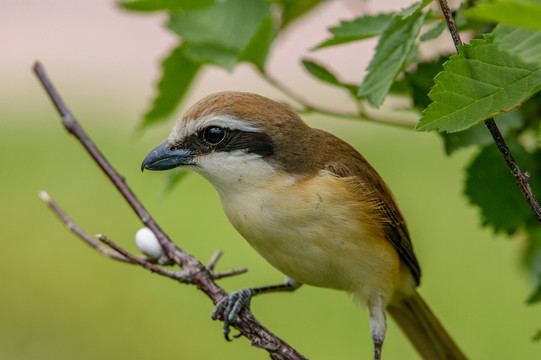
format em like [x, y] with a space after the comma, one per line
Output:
[61, 300]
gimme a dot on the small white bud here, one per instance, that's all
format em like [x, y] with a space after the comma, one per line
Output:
[44, 196]
[147, 243]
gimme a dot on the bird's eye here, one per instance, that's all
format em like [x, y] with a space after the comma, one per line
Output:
[213, 135]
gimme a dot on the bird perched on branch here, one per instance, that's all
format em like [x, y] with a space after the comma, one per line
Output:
[311, 205]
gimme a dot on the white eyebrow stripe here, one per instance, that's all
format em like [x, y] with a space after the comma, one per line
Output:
[183, 129]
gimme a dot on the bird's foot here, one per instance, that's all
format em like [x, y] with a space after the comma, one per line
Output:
[377, 350]
[229, 308]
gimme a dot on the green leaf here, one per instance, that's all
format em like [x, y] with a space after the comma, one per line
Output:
[213, 54]
[157, 5]
[293, 9]
[257, 49]
[521, 42]
[518, 13]
[531, 113]
[464, 24]
[400, 87]
[478, 83]
[479, 135]
[516, 121]
[177, 74]
[421, 80]
[434, 32]
[535, 297]
[325, 75]
[413, 8]
[490, 186]
[225, 32]
[358, 29]
[392, 52]
[413, 56]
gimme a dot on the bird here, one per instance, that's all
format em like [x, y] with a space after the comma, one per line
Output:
[311, 205]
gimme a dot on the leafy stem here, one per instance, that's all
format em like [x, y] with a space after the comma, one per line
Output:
[520, 178]
[362, 114]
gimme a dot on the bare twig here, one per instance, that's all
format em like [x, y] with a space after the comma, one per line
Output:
[450, 23]
[121, 254]
[377, 117]
[73, 127]
[213, 260]
[113, 254]
[199, 275]
[79, 232]
[520, 178]
[228, 273]
[181, 276]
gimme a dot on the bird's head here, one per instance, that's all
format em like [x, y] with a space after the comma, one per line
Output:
[233, 138]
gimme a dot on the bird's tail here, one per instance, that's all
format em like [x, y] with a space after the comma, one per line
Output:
[424, 330]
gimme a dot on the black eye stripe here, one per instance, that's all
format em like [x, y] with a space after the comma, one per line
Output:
[249, 142]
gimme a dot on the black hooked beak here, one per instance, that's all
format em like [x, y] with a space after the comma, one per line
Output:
[165, 157]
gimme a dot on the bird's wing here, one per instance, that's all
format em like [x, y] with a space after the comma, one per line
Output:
[393, 224]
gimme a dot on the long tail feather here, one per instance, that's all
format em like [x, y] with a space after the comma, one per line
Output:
[424, 330]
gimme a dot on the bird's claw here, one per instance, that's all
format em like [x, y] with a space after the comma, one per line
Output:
[229, 308]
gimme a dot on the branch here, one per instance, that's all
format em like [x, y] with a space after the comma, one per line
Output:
[181, 276]
[520, 178]
[309, 108]
[118, 253]
[450, 23]
[196, 273]
[377, 117]
[79, 232]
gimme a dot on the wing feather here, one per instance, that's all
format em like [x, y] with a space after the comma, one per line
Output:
[393, 223]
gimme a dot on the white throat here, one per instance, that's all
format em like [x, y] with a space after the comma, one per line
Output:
[235, 172]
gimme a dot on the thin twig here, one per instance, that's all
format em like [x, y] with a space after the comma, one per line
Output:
[212, 263]
[79, 232]
[73, 127]
[283, 88]
[213, 260]
[450, 23]
[520, 178]
[73, 227]
[228, 273]
[380, 119]
[246, 323]
[309, 108]
[181, 276]
[123, 255]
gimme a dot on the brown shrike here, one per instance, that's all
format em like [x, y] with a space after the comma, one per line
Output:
[311, 205]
